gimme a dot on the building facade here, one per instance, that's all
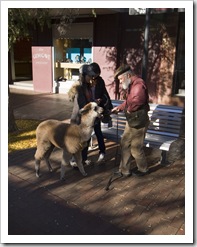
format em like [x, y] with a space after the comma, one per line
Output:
[111, 39]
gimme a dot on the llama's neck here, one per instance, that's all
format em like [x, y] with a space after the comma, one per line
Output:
[86, 131]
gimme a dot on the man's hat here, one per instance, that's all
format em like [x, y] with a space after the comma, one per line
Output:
[121, 70]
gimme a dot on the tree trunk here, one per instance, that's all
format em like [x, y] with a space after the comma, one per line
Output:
[11, 119]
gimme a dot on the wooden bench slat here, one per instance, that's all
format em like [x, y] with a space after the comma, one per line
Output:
[167, 128]
[165, 124]
[161, 146]
[170, 108]
[163, 133]
[164, 119]
[176, 117]
[163, 110]
[158, 141]
[158, 138]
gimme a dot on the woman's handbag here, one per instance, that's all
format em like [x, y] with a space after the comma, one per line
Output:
[137, 119]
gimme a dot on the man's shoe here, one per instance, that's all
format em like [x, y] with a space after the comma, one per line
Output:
[138, 173]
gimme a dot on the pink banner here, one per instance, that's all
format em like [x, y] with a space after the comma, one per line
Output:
[42, 69]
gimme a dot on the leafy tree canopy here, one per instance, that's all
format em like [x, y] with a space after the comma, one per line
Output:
[21, 21]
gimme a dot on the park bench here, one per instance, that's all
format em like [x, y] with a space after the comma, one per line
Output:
[164, 128]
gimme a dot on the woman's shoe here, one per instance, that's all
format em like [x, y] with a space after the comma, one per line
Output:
[101, 158]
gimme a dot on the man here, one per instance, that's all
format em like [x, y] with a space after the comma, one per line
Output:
[133, 137]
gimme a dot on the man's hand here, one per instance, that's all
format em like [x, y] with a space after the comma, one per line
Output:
[115, 110]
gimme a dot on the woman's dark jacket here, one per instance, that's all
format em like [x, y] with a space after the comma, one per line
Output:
[81, 98]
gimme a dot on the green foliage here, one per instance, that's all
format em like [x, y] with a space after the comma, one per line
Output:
[22, 21]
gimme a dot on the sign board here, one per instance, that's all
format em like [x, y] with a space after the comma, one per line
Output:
[42, 68]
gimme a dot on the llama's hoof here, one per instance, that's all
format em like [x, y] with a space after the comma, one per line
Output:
[37, 175]
[85, 174]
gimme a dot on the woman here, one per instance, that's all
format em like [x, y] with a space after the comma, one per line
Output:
[100, 95]
[91, 87]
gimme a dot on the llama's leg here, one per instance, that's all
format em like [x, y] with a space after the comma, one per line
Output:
[41, 152]
[37, 167]
[47, 155]
[79, 162]
[65, 163]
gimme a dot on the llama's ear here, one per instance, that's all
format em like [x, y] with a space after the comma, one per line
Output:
[83, 111]
[86, 108]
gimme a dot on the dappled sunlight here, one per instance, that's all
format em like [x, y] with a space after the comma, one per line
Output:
[161, 57]
[131, 206]
[25, 137]
[23, 142]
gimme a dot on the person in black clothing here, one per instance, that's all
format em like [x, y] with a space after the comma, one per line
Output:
[91, 87]
[99, 94]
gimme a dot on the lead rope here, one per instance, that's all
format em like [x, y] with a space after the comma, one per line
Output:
[115, 173]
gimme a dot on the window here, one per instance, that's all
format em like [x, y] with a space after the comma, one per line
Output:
[78, 51]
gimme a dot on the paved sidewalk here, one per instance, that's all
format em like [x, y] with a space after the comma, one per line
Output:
[28, 105]
[152, 205]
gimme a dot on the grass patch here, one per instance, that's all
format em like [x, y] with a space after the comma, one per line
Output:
[25, 137]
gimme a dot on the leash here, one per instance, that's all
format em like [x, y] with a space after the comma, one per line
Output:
[115, 173]
[119, 174]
